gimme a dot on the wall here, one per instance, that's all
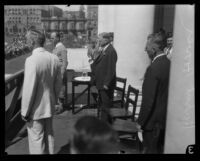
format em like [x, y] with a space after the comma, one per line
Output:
[131, 25]
[180, 128]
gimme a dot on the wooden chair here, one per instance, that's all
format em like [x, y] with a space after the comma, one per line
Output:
[124, 121]
[128, 138]
[124, 112]
[118, 97]
[119, 92]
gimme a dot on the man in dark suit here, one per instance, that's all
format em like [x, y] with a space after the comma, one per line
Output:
[152, 115]
[104, 70]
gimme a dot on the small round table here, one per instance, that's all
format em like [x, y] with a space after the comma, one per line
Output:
[80, 81]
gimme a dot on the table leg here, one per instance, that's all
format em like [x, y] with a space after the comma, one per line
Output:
[89, 95]
[73, 97]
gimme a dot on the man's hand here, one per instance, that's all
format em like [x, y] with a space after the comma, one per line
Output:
[105, 87]
[58, 109]
[90, 61]
[140, 136]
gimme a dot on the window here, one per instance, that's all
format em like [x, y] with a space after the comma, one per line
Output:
[24, 11]
[10, 30]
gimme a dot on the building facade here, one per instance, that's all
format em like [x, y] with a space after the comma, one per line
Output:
[64, 24]
[18, 18]
[92, 23]
[71, 22]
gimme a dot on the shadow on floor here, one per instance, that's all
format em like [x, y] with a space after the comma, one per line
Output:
[14, 140]
[129, 146]
[126, 147]
[64, 149]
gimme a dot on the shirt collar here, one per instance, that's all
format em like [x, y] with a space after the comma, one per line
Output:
[39, 49]
[157, 57]
[105, 47]
[58, 44]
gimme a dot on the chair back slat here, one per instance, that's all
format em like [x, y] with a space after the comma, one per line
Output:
[120, 89]
[129, 100]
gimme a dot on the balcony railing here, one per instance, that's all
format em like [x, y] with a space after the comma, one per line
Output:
[13, 121]
[13, 89]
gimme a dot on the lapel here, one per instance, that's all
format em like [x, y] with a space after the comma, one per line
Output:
[99, 57]
[102, 54]
[108, 48]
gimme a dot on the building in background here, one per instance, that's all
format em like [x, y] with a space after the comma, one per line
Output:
[92, 21]
[70, 22]
[81, 23]
[17, 18]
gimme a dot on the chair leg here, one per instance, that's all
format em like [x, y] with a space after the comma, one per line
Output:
[98, 106]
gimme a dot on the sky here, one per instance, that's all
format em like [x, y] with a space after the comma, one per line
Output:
[70, 8]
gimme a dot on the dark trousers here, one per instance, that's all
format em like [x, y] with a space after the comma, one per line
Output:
[106, 97]
[153, 141]
[63, 91]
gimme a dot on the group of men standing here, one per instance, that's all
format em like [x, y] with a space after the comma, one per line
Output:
[45, 81]
[45, 84]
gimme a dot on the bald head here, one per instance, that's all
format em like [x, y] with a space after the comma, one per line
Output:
[55, 37]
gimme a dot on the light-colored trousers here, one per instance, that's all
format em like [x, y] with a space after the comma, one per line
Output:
[40, 136]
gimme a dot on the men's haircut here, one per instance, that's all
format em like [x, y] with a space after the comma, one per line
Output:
[105, 35]
[93, 136]
[37, 36]
[159, 39]
[111, 34]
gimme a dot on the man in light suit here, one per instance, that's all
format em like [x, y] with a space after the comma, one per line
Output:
[152, 116]
[61, 52]
[42, 82]
[104, 69]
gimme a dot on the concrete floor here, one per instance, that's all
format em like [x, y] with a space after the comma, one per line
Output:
[63, 125]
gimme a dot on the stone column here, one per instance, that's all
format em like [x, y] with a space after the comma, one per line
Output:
[133, 23]
[180, 127]
[106, 18]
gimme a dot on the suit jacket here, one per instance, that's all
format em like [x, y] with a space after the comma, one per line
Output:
[155, 94]
[61, 52]
[42, 83]
[104, 68]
